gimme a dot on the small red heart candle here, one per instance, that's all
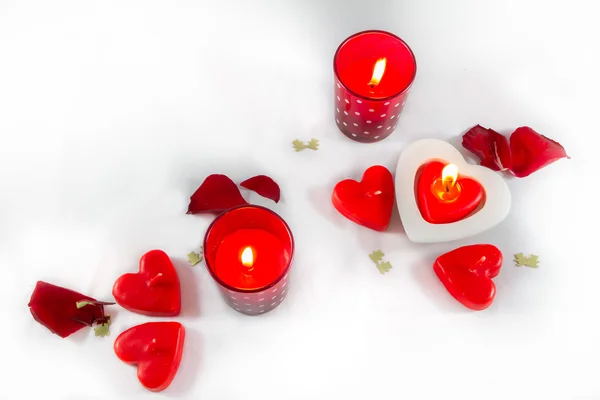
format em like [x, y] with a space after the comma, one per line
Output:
[422, 198]
[156, 348]
[248, 251]
[467, 274]
[154, 290]
[368, 202]
[374, 71]
[444, 196]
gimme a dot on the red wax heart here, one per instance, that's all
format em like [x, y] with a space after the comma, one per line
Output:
[467, 274]
[154, 290]
[368, 202]
[465, 196]
[156, 348]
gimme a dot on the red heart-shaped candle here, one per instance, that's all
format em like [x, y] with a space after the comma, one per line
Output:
[154, 290]
[467, 274]
[156, 348]
[368, 202]
[441, 203]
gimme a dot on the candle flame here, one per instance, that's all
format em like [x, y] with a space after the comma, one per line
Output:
[449, 176]
[247, 257]
[378, 71]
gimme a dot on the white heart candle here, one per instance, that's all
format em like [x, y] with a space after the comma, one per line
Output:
[494, 208]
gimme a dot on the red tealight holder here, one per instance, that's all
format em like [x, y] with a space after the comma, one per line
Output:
[374, 71]
[248, 251]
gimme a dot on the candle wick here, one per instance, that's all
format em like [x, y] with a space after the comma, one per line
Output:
[477, 264]
[152, 281]
[481, 261]
[152, 347]
[447, 185]
[373, 85]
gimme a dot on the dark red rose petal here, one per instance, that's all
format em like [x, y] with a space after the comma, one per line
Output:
[264, 186]
[526, 152]
[56, 308]
[216, 194]
[532, 151]
[491, 147]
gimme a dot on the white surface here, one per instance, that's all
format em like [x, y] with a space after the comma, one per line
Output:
[497, 194]
[113, 112]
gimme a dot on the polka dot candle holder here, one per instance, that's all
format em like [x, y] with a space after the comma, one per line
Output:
[258, 302]
[256, 286]
[365, 111]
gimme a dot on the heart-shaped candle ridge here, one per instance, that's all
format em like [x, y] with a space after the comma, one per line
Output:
[491, 211]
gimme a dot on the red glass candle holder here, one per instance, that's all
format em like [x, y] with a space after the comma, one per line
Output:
[368, 99]
[248, 251]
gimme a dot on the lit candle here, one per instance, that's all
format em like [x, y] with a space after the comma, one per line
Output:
[378, 71]
[248, 250]
[373, 74]
[446, 188]
[248, 257]
[443, 196]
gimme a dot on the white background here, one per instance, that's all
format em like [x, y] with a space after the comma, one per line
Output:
[113, 112]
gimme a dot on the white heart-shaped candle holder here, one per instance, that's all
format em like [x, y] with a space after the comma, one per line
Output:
[495, 208]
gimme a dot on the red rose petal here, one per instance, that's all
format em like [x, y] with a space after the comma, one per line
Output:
[55, 307]
[216, 194]
[532, 151]
[264, 186]
[491, 147]
[526, 152]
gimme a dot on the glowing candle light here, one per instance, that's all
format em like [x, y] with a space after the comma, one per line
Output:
[374, 71]
[247, 257]
[445, 188]
[248, 251]
[378, 71]
[443, 196]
